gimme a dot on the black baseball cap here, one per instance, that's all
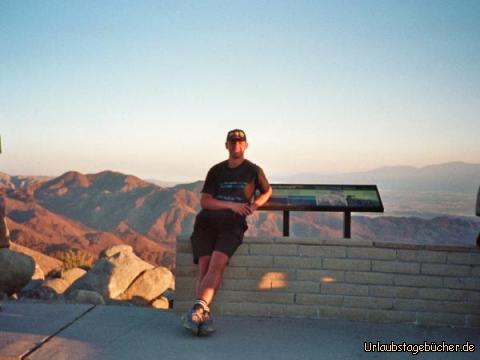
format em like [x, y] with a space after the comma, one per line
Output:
[237, 135]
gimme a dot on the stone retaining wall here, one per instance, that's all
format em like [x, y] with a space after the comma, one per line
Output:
[343, 279]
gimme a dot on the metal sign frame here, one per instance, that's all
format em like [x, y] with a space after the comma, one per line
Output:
[292, 205]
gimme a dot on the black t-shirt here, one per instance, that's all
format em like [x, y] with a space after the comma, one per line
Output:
[235, 184]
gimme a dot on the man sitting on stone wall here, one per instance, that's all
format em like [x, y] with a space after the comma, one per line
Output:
[227, 199]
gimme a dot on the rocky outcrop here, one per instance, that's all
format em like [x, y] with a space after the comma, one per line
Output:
[46, 263]
[16, 271]
[113, 273]
[66, 279]
[119, 277]
[148, 286]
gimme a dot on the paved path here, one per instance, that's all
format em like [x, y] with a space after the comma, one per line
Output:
[66, 331]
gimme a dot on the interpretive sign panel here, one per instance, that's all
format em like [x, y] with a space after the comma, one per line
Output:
[300, 197]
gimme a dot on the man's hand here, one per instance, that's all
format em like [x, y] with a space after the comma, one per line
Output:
[241, 208]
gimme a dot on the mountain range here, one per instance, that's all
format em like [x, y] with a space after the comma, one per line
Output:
[453, 177]
[94, 211]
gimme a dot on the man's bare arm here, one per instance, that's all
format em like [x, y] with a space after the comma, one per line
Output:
[208, 202]
[261, 200]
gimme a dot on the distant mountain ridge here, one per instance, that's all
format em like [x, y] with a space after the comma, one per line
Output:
[93, 211]
[453, 176]
[21, 181]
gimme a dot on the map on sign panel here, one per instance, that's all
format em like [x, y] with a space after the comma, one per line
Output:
[325, 197]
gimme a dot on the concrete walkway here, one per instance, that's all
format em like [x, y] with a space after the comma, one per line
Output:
[68, 331]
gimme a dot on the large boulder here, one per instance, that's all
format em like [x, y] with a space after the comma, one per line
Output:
[67, 278]
[38, 274]
[35, 290]
[161, 303]
[47, 263]
[16, 271]
[113, 273]
[4, 233]
[149, 285]
[86, 297]
[109, 252]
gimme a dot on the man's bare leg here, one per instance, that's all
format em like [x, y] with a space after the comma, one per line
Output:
[203, 264]
[209, 278]
[212, 279]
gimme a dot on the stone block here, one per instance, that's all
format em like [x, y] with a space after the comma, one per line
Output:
[418, 281]
[182, 282]
[273, 249]
[259, 240]
[277, 310]
[187, 293]
[467, 283]
[322, 276]
[274, 273]
[301, 311]
[393, 292]
[184, 247]
[442, 294]
[182, 306]
[353, 314]
[183, 238]
[422, 256]
[344, 289]
[397, 267]
[186, 271]
[368, 278]
[463, 258]
[329, 312]
[223, 296]
[391, 316]
[429, 318]
[476, 271]
[184, 259]
[242, 250]
[371, 253]
[318, 299]
[270, 297]
[346, 242]
[446, 270]
[473, 321]
[251, 260]
[295, 286]
[366, 302]
[419, 305]
[322, 251]
[244, 284]
[398, 246]
[443, 306]
[236, 273]
[469, 308]
[296, 262]
[473, 297]
[347, 264]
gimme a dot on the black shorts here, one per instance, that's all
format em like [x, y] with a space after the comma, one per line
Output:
[217, 230]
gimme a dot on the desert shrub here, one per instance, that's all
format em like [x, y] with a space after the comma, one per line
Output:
[73, 258]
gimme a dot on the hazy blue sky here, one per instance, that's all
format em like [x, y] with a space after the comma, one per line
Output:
[150, 88]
